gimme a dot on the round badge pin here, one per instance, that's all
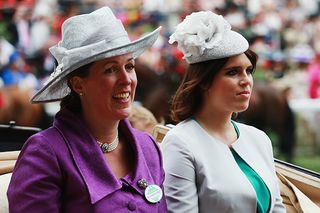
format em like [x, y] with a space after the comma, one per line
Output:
[153, 193]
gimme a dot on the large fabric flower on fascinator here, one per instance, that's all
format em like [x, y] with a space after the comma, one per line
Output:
[205, 36]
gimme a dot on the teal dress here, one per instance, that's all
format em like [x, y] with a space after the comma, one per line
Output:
[262, 191]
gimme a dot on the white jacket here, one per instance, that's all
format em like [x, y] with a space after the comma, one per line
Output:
[203, 176]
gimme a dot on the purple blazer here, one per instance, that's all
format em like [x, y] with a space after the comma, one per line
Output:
[62, 169]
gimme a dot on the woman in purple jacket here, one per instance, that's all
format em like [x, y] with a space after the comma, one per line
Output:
[91, 159]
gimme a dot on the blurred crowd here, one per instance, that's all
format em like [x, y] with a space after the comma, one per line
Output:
[284, 33]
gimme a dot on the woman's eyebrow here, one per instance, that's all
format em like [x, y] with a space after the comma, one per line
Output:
[232, 67]
[116, 62]
[235, 67]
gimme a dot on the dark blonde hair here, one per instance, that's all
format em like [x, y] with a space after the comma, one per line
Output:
[141, 116]
[198, 78]
[72, 100]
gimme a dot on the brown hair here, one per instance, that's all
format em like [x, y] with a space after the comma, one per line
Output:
[197, 79]
[72, 100]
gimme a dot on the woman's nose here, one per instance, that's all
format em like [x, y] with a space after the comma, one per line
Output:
[125, 77]
[245, 79]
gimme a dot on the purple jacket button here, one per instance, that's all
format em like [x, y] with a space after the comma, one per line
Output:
[132, 206]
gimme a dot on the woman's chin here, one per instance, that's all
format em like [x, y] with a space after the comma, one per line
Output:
[243, 108]
[124, 113]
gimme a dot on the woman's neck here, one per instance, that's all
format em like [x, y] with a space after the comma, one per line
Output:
[218, 125]
[102, 129]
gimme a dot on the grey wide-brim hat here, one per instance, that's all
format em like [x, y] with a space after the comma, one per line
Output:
[87, 38]
[204, 36]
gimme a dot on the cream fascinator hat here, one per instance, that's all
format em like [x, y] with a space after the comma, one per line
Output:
[87, 38]
[204, 36]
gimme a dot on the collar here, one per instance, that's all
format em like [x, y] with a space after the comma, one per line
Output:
[89, 159]
[141, 170]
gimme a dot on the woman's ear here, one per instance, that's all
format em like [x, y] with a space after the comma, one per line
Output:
[76, 84]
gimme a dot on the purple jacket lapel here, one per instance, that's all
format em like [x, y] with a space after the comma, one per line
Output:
[90, 161]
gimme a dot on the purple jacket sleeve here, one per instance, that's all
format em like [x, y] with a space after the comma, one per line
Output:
[39, 192]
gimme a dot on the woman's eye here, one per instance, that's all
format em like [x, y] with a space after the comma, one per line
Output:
[130, 67]
[250, 70]
[232, 72]
[110, 70]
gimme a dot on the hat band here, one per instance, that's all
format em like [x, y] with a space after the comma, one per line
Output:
[61, 50]
[73, 57]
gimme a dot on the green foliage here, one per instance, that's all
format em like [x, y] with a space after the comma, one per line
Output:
[3, 31]
[308, 162]
[302, 158]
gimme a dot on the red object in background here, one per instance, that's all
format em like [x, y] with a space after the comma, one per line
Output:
[313, 71]
[27, 3]
[8, 3]
[1, 100]
[180, 67]
[13, 3]
[177, 54]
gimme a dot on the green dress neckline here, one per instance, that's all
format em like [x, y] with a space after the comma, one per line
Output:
[262, 191]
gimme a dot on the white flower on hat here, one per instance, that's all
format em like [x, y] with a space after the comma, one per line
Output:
[199, 31]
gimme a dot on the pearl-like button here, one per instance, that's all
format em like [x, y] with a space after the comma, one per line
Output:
[142, 183]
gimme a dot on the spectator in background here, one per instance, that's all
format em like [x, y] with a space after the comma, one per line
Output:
[141, 118]
[22, 20]
[40, 30]
[6, 50]
[313, 71]
[14, 74]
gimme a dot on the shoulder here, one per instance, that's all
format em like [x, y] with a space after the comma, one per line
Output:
[181, 138]
[247, 127]
[183, 130]
[144, 139]
[40, 139]
[187, 133]
[37, 156]
[47, 137]
[251, 131]
[148, 145]
[255, 138]
[47, 144]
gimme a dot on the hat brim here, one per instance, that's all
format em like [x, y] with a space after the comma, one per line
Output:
[232, 43]
[56, 88]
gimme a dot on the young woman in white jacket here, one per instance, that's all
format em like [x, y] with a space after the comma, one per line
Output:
[212, 163]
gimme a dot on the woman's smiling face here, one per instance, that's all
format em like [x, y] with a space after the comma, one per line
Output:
[109, 88]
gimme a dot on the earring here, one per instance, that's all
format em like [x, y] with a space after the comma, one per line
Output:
[81, 94]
